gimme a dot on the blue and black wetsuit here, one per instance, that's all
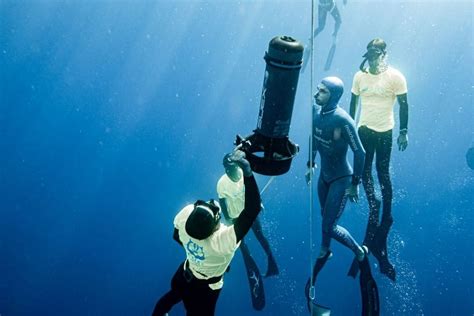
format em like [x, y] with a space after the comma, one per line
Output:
[334, 131]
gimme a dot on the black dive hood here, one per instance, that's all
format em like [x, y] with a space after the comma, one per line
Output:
[268, 149]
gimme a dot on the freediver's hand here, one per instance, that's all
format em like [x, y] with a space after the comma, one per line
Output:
[238, 156]
[308, 175]
[352, 193]
[402, 142]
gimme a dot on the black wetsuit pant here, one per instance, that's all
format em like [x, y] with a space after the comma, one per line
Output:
[258, 231]
[333, 198]
[323, 11]
[198, 298]
[378, 145]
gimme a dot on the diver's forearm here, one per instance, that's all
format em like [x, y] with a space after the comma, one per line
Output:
[244, 222]
[353, 105]
[402, 100]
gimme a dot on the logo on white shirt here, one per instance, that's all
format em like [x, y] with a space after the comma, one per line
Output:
[196, 251]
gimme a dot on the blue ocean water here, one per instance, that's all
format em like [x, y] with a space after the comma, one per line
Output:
[116, 114]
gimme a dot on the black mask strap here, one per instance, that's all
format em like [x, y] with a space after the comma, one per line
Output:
[212, 205]
[362, 65]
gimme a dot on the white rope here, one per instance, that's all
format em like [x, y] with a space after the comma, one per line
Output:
[267, 185]
[311, 198]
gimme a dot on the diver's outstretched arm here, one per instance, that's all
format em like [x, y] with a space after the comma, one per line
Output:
[244, 222]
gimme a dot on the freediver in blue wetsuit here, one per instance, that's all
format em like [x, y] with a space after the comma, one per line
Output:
[333, 132]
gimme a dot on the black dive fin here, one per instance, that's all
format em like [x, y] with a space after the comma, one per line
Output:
[313, 308]
[254, 277]
[381, 254]
[369, 290]
[369, 240]
[319, 310]
[354, 269]
[330, 57]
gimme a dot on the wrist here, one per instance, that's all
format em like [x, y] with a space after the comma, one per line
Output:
[247, 171]
[356, 180]
[403, 131]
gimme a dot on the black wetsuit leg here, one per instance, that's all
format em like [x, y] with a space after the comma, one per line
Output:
[201, 300]
[334, 198]
[318, 266]
[272, 268]
[378, 144]
[322, 14]
[369, 290]
[337, 20]
[382, 163]
[198, 298]
[369, 142]
[254, 278]
[174, 296]
[257, 230]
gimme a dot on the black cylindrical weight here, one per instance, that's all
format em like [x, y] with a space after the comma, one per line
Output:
[284, 60]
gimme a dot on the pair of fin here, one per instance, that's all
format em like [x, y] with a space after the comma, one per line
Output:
[380, 253]
[327, 65]
[313, 308]
[368, 288]
[378, 246]
[254, 277]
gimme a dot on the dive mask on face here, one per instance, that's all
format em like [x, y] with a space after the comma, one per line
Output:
[373, 53]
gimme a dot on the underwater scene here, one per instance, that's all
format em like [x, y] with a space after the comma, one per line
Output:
[219, 157]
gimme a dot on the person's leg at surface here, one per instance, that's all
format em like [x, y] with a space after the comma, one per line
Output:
[174, 296]
[369, 142]
[322, 14]
[337, 21]
[337, 24]
[334, 208]
[272, 268]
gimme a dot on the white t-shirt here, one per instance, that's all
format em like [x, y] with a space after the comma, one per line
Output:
[378, 94]
[233, 192]
[210, 257]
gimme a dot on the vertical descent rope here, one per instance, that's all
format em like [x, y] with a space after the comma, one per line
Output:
[311, 198]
